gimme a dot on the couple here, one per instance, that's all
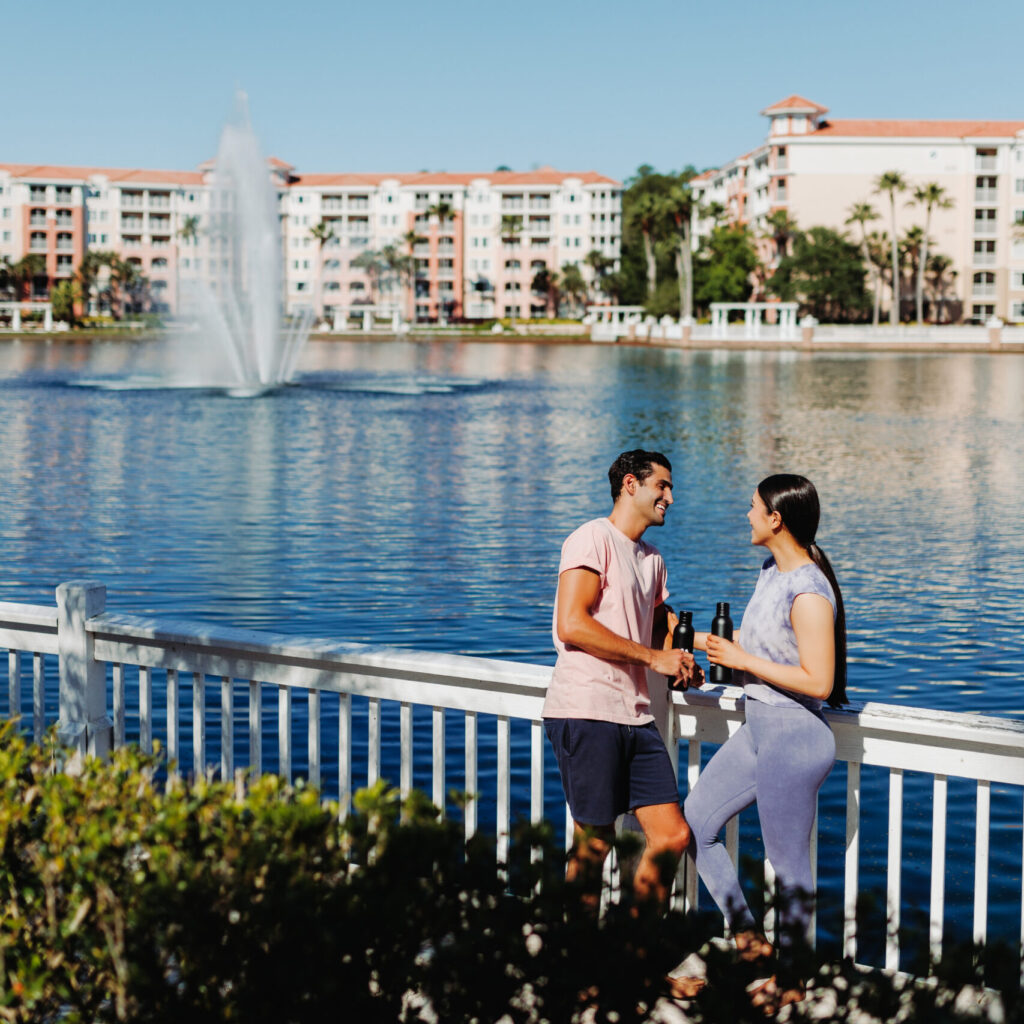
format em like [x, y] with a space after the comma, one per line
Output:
[789, 655]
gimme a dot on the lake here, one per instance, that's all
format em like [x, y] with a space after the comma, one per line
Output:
[418, 494]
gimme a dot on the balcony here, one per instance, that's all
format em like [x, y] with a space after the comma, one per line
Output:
[131, 202]
[160, 202]
[540, 204]
[984, 259]
[423, 249]
[983, 291]
[985, 162]
[332, 206]
[37, 245]
[37, 194]
[37, 220]
[986, 195]
[65, 245]
[985, 227]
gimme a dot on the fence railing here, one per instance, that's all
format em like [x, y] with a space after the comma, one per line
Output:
[106, 695]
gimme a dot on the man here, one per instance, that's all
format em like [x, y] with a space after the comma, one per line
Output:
[611, 591]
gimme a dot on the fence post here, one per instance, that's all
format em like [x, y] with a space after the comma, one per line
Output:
[84, 723]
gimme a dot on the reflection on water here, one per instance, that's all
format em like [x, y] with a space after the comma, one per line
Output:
[419, 494]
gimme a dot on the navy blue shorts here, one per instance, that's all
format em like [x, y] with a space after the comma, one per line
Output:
[608, 769]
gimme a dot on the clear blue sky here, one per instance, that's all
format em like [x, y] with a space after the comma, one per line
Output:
[468, 85]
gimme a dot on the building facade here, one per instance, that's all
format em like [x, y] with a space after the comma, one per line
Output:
[433, 246]
[816, 169]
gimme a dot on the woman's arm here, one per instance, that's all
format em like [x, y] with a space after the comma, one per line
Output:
[814, 626]
[700, 640]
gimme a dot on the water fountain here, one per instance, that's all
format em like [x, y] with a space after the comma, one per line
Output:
[238, 339]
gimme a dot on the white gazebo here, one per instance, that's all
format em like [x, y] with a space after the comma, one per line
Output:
[15, 309]
[753, 314]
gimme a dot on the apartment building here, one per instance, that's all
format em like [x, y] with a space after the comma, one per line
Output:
[465, 266]
[816, 168]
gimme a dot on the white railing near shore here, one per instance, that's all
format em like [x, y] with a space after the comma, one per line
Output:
[95, 650]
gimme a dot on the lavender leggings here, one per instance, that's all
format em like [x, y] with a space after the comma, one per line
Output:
[779, 757]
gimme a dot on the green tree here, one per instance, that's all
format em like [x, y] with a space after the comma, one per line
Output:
[825, 274]
[863, 214]
[912, 244]
[678, 207]
[940, 278]
[781, 228]
[890, 183]
[324, 234]
[370, 262]
[189, 234]
[63, 297]
[22, 273]
[600, 265]
[648, 213]
[510, 230]
[573, 286]
[545, 283]
[412, 239]
[931, 196]
[724, 265]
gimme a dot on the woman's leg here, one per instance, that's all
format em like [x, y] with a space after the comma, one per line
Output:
[795, 753]
[724, 788]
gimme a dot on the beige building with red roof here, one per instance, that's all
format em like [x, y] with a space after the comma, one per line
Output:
[465, 267]
[817, 168]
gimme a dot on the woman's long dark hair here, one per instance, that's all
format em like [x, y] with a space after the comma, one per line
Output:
[796, 501]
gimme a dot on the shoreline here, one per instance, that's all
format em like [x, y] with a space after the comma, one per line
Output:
[883, 345]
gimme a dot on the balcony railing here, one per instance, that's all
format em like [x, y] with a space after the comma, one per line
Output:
[986, 195]
[160, 202]
[983, 291]
[421, 692]
[131, 202]
[985, 163]
[984, 259]
[985, 227]
[36, 221]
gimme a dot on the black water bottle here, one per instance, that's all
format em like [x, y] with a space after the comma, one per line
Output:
[721, 625]
[682, 638]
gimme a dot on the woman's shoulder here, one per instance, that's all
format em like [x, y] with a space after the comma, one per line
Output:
[809, 579]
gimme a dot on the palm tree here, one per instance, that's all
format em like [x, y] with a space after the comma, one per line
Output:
[941, 277]
[396, 267]
[188, 233]
[24, 271]
[600, 265]
[370, 262]
[678, 207]
[324, 234]
[6, 276]
[647, 214]
[443, 211]
[890, 183]
[878, 253]
[412, 239]
[573, 286]
[862, 214]
[510, 228]
[783, 228]
[545, 282]
[931, 196]
[911, 245]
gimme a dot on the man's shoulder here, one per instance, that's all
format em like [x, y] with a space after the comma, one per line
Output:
[590, 528]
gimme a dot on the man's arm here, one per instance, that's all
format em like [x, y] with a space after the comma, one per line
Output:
[578, 590]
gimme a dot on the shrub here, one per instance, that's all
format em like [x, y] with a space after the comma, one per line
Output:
[124, 899]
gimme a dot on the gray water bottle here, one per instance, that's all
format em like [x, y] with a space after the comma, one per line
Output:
[721, 625]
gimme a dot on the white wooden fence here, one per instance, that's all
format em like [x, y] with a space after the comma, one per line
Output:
[97, 650]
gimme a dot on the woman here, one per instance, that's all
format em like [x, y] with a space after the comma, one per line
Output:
[790, 657]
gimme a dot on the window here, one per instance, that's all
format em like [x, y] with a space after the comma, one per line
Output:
[1017, 311]
[6, 213]
[1017, 279]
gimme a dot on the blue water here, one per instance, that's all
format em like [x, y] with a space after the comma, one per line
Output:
[418, 494]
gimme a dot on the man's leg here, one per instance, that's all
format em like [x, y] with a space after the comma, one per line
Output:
[667, 836]
[590, 846]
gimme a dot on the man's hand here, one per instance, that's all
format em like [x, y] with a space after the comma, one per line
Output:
[677, 664]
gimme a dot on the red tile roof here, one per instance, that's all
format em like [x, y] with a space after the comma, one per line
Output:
[542, 176]
[795, 103]
[921, 129]
[53, 171]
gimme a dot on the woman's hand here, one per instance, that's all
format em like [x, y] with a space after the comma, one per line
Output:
[724, 652]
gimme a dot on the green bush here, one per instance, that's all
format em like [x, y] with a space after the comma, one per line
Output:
[124, 899]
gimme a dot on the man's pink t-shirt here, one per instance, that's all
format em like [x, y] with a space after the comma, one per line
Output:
[632, 586]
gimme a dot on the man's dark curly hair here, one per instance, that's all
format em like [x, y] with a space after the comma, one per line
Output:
[639, 463]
